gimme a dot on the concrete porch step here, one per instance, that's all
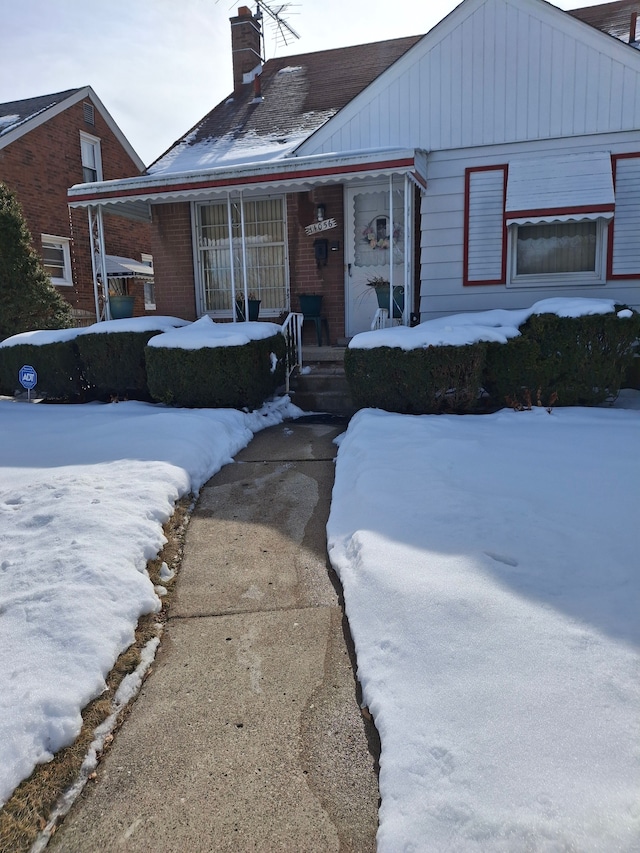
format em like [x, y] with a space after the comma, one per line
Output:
[322, 386]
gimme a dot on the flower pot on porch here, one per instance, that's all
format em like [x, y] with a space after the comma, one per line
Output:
[121, 307]
[254, 310]
[382, 293]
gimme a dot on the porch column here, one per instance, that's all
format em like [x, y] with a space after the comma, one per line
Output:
[408, 253]
[391, 250]
[232, 266]
[98, 263]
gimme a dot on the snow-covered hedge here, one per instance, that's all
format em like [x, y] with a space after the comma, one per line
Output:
[576, 351]
[216, 365]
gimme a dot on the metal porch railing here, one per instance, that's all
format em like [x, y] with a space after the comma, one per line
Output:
[292, 331]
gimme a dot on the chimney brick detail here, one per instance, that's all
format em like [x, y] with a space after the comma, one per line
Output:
[245, 44]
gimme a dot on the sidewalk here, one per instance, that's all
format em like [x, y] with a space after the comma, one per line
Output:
[247, 736]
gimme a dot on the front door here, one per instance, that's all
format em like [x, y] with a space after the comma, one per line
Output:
[373, 243]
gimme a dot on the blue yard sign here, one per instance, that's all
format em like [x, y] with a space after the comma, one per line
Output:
[28, 378]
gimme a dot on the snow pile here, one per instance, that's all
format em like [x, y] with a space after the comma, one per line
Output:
[490, 574]
[497, 325]
[84, 491]
[42, 337]
[205, 333]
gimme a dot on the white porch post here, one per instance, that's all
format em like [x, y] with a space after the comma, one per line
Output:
[408, 258]
[391, 250]
[244, 260]
[233, 276]
[99, 263]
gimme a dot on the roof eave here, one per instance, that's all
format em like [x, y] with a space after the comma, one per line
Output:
[290, 172]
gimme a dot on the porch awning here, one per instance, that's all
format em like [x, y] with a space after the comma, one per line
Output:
[559, 189]
[132, 196]
[118, 267]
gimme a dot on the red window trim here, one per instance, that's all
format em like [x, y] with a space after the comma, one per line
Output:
[611, 276]
[504, 168]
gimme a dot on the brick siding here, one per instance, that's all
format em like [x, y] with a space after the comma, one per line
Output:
[41, 165]
[305, 274]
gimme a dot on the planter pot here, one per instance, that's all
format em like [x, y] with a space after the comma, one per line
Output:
[310, 304]
[121, 307]
[254, 310]
[382, 293]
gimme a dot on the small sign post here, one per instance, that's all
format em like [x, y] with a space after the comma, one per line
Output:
[28, 378]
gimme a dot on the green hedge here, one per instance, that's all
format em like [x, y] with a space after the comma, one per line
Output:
[114, 363]
[579, 361]
[57, 365]
[419, 381]
[235, 377]
[582, 360]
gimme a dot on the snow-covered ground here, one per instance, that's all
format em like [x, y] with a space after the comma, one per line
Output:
[490, 572]
[490, 567]
[84, 492]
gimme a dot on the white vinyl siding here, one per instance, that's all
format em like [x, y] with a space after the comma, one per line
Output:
[485, 227]
[626, 222]
[491, 73]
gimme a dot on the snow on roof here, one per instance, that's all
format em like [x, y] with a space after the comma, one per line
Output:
[298, 94]
[498, 325]
[15, 113]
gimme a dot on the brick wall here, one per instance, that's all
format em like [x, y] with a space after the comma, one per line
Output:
[42, 165]
[305, 275]
[173, 260]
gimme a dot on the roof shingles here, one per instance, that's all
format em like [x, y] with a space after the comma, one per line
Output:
[15, 113]
[298, 95]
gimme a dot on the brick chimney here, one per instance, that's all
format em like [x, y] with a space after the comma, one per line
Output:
[245, 44]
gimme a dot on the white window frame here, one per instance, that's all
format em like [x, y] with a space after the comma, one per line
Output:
[149, 304]
[239, 283]
[62, 243]
[94, 142]
[595, 277]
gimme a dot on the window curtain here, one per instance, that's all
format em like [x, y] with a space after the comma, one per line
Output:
[560, 247]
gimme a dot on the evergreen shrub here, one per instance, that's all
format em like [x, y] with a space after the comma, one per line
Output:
[28, 300]
[419, 381]
[114, 364]
[57, 365]
[237, 377]
[581, 359]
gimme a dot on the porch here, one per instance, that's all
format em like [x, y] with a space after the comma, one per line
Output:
[273, 232]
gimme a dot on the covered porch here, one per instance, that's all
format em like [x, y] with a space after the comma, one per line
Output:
[274, 231]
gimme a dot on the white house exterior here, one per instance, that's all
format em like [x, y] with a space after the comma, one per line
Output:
[495, 85]
[513, 127]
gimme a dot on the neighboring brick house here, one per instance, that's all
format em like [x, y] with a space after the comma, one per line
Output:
[47, 144]
[490, 163]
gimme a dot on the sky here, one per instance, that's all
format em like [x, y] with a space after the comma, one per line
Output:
[491, 591]
[159, 66]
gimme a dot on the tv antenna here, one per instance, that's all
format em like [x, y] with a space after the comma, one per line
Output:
[284, 32]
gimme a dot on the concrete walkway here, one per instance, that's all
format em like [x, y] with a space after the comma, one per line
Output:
[247, 736]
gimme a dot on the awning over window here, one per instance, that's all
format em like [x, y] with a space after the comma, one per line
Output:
[118, 267]
[560, 189]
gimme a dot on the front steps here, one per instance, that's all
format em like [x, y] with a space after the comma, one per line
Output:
[322, 386]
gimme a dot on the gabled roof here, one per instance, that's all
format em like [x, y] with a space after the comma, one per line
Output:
[16, 113]
[612, 18]
[298, 94]
[20, 117]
